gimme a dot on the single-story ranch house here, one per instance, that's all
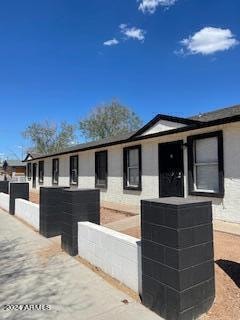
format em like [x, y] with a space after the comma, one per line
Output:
[196, 157]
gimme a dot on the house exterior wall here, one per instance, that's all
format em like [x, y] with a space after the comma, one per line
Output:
[225, 209]
[163, 125]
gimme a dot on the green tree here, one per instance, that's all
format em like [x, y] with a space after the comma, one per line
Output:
[109, 120]
[48, 137]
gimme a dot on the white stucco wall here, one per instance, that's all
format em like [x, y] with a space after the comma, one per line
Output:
[27, 211]
[225, 209]
[163, 125]
[4, 201]
[117, 254]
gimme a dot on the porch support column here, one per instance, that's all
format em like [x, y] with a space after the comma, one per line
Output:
[177, 257]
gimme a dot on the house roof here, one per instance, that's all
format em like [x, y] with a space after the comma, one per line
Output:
[84, 146]
[160, 117]
[15, 163]
[217, 114]
[217, 117]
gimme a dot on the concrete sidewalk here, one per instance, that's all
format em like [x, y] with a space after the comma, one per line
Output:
[33, 270]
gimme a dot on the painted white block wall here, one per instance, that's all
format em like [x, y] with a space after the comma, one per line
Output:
[27, 211]
[4, 201]
[225, 209]
[117, 254]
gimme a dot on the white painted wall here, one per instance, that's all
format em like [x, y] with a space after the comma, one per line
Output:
[224, 209]
[4, 201]
[163, 125]
[27, 211]
[117, 254]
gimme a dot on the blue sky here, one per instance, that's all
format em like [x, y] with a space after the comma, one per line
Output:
[60, 58]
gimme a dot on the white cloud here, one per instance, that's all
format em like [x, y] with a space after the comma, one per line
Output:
[150, 6]
[112, 42]
[208, 41]
[133, 33]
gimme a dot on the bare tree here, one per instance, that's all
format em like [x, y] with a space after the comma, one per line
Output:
[46, 137]
[109, 120]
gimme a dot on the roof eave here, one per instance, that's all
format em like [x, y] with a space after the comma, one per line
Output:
[197, 125]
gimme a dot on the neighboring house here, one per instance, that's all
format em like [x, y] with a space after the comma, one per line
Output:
[198, 158]
[14, 168]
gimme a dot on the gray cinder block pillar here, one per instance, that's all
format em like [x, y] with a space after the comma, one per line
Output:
[4, 186]
[51, 211]
[177, 257]
[17, 190]
[78, 205]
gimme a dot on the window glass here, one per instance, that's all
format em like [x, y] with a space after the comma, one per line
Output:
[55, 171]
[207, 150]
[206, 165]
[74, 170]
[207, 178]
[29, 171]
[132, 167]
[40, 171]
[101, 168]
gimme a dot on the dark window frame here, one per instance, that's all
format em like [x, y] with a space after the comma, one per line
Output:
[29, 171]
[41, 175]
[98, 185]
[70, 170]
[125, 168]
[190, 143]
[55, 160]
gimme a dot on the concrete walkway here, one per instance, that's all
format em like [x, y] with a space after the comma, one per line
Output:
[33, 270]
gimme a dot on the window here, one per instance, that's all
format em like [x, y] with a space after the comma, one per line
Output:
[132, 166]
[40, 172]
[101, 169]
[29, 171]
[55, 171]
[205, 154]
[74, 170]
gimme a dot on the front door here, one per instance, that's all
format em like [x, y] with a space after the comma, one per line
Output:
[171, 172]
[34, 175]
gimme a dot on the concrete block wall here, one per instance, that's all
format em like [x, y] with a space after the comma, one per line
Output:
[4, 201]
[28, 212]
[17, 190]
[4, 186]
[117, 254]
[177, 257]
[51, 209]
[78, 205]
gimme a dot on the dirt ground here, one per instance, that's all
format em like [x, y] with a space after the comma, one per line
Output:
[106, 215]
[34, 197]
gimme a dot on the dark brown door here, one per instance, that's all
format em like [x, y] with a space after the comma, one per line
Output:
[171, 172]
[34, 175]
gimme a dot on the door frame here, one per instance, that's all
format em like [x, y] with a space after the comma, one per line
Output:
[181, 143]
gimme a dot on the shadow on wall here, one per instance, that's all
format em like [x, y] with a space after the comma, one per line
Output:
[231, 268]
